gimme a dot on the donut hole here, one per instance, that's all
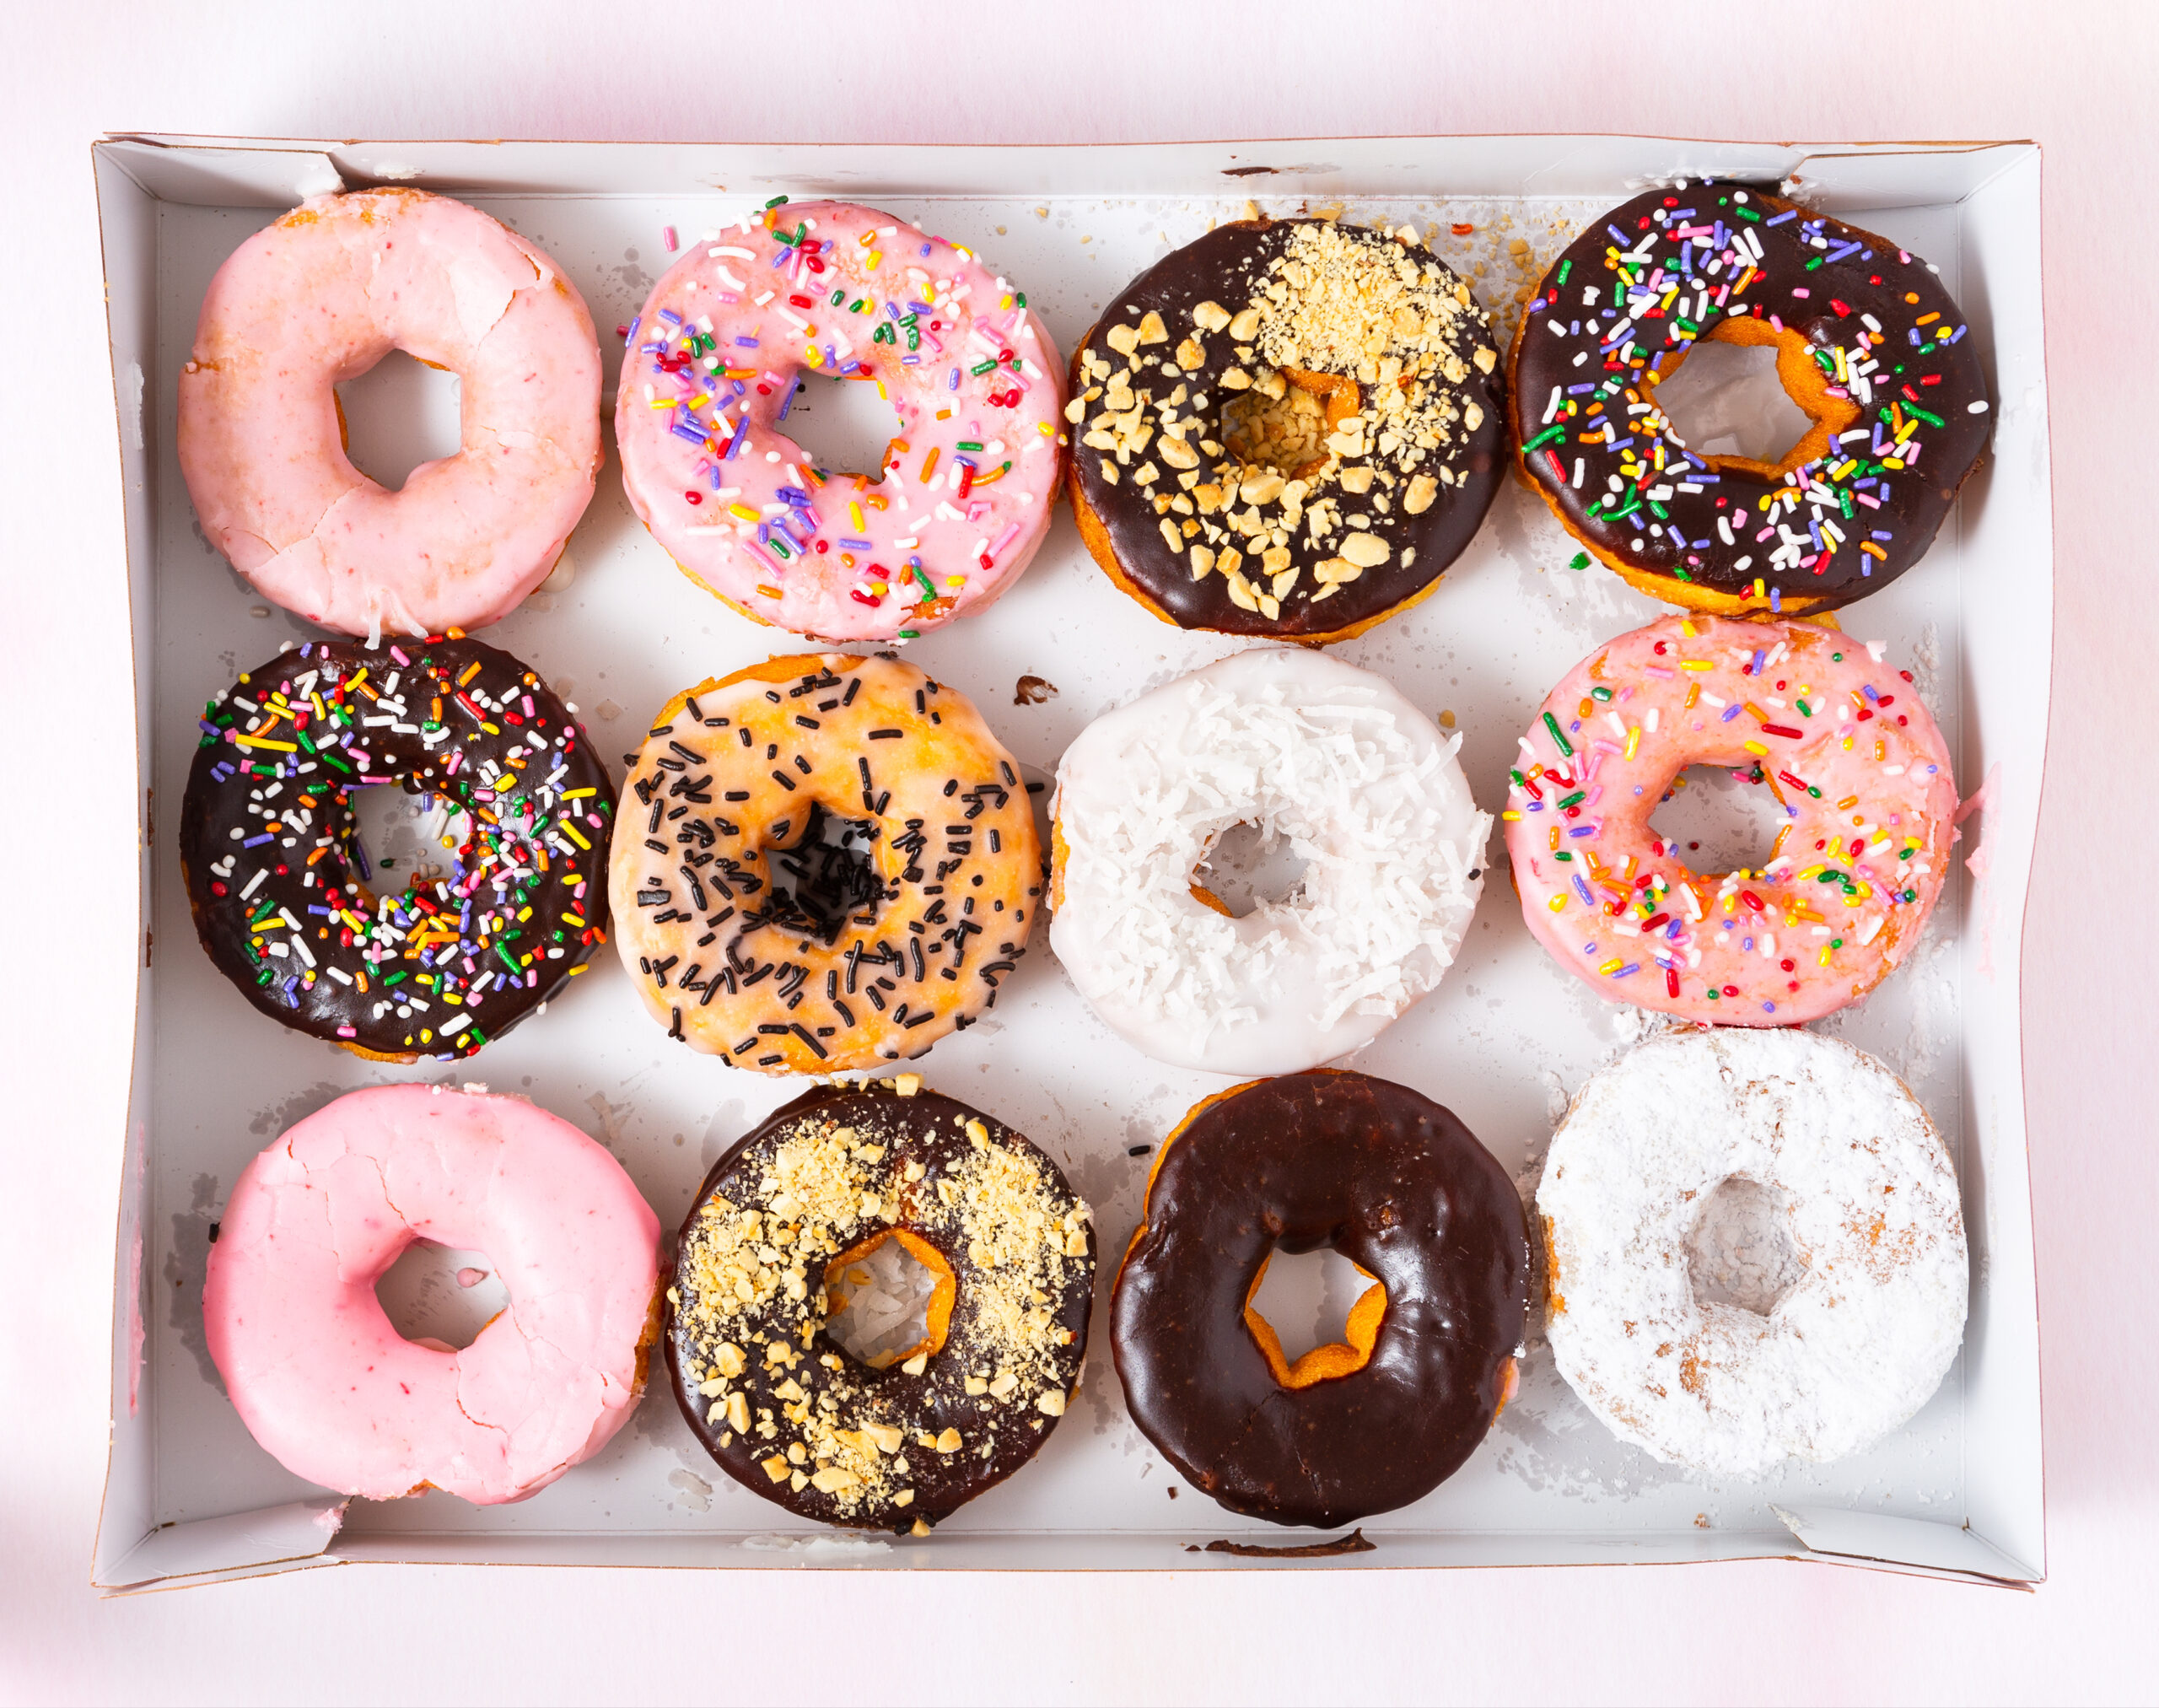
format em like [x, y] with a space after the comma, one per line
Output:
[845, 428]
[1282, 421]
[889, 1299]
[1314, 1314]
[1285, 433]
[399, 414]
[1249, 866]
[1716, 820]
[1741, 1252]
[398, 837]
[1749, 395]
[439, 1297]
[819, 878]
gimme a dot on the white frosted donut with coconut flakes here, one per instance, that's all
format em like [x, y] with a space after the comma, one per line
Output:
[1332, 759]
[1706, 1338]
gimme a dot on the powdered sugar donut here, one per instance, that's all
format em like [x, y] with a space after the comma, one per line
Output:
[329, 1388]
[1726, 1335]
[1330, 757]
[321, 296]
[1857, 768]
[716, 363]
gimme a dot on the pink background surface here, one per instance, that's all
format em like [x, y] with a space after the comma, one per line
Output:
[2081, 78]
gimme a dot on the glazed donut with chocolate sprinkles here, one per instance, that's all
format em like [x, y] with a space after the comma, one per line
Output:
[829, 862]
[1868, 344]
[1400, 1187]
[1287, 428]
[282, 894]
[787, 1411]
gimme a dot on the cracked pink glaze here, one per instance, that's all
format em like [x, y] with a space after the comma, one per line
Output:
[334, 1393]
[716, 362]
[320, 297]
[1861, 776]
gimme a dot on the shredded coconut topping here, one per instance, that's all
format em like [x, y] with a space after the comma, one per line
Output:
[1331, 759]
[1856, 1256]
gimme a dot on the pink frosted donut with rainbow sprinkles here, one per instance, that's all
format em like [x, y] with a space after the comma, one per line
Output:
[1840, 738]
[329, 1389]
[321, 296]
[717, 361]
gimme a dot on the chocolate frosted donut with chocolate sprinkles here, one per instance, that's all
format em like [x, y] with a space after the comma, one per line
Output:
[1869, 345]
[1287, 428]
[779, 1233]
[282, 894]
[826, 862]
[1399, 1186]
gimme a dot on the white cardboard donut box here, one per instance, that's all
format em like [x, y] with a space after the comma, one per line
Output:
[190, 1498]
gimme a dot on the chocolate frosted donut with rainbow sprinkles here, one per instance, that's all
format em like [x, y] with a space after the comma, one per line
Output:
[285, 899]
[1868, 345]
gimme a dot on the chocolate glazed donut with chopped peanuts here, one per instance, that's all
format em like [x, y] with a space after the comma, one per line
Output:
[764, 1255]
[826, 862]
[1287, 428]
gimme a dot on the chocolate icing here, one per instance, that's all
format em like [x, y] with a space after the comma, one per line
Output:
[1816, 276]
[931, 1130]
[1224, 267]
[1399, 1186]
[1354, 1543]
[537, 807]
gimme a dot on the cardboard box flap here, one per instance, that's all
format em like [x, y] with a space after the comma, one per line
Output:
[270, 1535]
[212, 171]
[1846, 182]
[224, 177]
[1893, 1541]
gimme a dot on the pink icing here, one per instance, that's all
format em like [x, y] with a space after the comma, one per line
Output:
[320, 297]
[1854, 758]
[329, 1388]
[715, 361]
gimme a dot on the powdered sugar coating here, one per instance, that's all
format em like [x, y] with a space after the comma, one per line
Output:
[1326, 756]
[1854, 1345]
[324, 1382]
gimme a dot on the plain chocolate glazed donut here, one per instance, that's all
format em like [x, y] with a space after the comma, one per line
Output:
[1401, 1187]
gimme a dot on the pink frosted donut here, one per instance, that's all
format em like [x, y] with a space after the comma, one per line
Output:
[716, 362]
[329, 1389]
[320, 297]
[1840, 740]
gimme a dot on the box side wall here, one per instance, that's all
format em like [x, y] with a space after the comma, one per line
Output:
[1068, 1551]
[2008, 624]
[237, 172]
[127, 221]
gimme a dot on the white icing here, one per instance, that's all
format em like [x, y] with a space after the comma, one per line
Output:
[1330, 759]
[1853, 1346]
